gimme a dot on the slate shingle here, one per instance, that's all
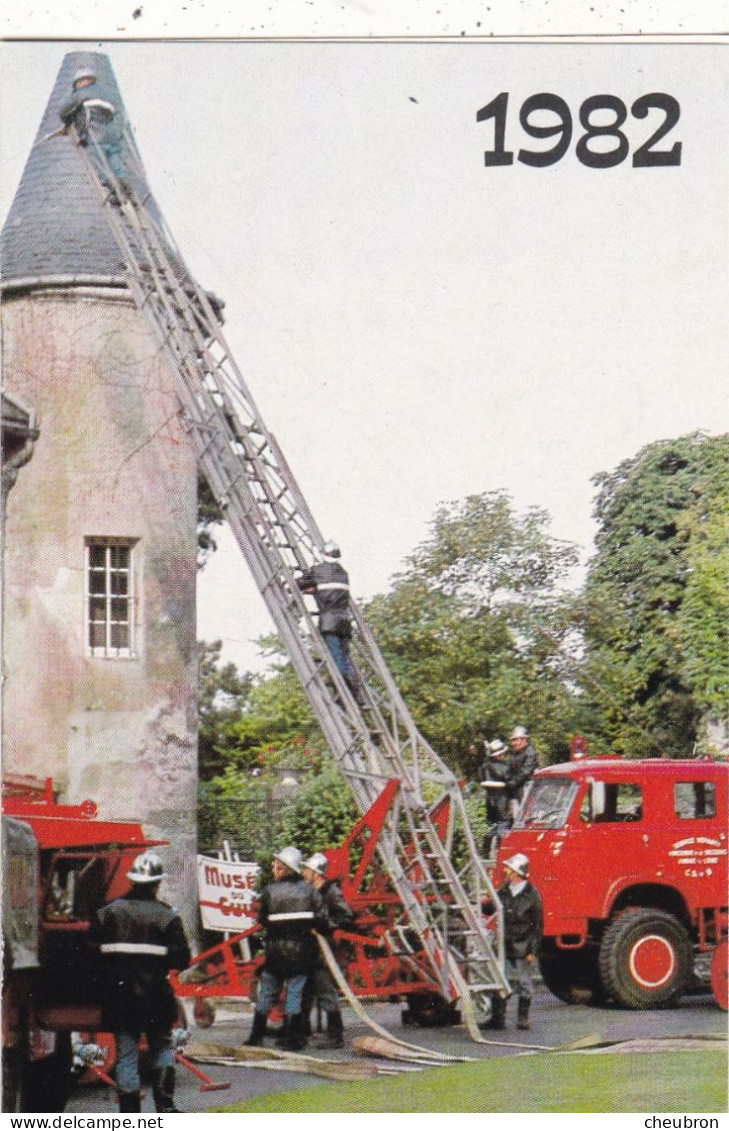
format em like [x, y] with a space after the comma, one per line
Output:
[55, 226]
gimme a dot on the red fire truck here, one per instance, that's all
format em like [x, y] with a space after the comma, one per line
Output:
[630, 858]
[60, 863]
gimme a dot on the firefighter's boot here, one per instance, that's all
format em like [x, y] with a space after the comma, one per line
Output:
[258, 1031]
[522, 1016]
[497, 1020]
[130, 1102]
[334, 1038]
[163, 1090]
[283, 1037]
[293, 1037]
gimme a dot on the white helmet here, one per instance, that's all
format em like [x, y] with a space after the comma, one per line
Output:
[519, 864]
[317, 863]
[146, 869]
[291, 858]
[84, 73]
[519, 732]
[331, 549]
[497, 748]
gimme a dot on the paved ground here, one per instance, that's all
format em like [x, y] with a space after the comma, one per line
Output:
[553, 1024]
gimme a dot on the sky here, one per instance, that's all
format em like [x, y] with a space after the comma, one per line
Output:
[417, 326]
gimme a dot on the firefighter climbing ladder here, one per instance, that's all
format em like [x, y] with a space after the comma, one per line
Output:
[437, 872]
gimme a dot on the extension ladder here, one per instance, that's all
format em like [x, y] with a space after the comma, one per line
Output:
[440, 879]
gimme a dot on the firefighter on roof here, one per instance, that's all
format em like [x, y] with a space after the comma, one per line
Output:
[91, 110]
[522, 764]
[139, 940]
[494, 780]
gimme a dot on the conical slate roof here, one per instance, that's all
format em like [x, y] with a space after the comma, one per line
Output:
[56, 229]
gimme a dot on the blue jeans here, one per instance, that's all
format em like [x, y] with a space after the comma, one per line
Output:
[339, 648]
[269, 988]
[161, 1051]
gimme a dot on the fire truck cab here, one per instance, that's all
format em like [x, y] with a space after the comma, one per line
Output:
[630, 858]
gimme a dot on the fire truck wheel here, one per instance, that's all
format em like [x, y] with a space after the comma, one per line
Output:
[645, 959]
[204, 1012]
[571, 975]
[429, 1011]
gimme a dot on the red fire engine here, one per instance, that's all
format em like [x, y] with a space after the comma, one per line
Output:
[60, 863]
[380, 958]
[630, 858]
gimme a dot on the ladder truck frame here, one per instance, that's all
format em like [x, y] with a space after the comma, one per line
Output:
[438, 874]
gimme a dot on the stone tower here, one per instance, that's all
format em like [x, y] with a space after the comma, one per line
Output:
[100, 537]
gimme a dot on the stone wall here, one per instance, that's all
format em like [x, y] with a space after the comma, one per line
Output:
[113, 461]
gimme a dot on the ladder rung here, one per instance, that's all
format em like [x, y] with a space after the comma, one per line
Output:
[252, 480]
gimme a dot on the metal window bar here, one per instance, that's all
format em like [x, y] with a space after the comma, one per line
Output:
[115, 596]
[278, 536]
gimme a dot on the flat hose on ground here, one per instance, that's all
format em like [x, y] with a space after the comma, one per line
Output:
[424, 1054]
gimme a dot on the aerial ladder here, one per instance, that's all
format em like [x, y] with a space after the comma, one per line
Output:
[437, 871]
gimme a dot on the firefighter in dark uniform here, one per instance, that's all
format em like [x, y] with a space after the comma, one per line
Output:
[328, 582]
[522, 907]
[140, 940]
[522, 764]
[290, 911]
[495, 775]
[91, 109]
[320, 986]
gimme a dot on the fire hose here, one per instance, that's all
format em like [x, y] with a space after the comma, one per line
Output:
[392, 1044]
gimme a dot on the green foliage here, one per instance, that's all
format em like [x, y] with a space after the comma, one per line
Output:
[654, 617]
[222, 696]
[310, 807]
[237, 808]
[703, 619]
[209, 515]
[321, 813]
[474, 628]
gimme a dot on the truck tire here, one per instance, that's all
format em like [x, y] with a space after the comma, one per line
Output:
[430, 1011]
[203, 1012]
[645, 959]
[571, 975]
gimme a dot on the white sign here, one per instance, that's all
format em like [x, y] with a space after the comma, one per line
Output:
[227, 891]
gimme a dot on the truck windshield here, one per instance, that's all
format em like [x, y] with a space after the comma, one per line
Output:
[547, 803]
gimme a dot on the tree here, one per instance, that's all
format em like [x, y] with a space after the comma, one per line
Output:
[473, 628]
[703, 619]
[222, 695]
[209, 515]
[651, 613]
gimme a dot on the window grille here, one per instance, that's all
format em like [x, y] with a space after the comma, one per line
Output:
[110, 598]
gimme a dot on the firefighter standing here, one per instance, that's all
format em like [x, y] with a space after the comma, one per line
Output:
[328, 582]
[320, 985]
[522, 764]
[495, 773]
[90, 109]
[290, 911]
[522, 907]
[139, 940]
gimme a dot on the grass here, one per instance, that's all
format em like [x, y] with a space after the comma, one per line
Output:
[651, 1082]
